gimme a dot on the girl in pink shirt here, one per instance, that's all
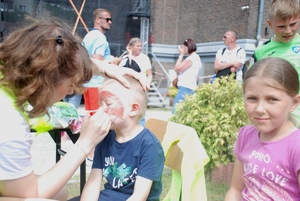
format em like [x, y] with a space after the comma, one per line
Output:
[268, 152]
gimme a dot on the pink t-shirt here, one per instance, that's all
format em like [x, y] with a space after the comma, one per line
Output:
[270, 168]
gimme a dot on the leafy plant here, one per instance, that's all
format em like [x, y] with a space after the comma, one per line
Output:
[172, 91]
[216, 111]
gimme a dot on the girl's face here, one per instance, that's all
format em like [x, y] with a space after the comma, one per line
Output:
[64, 88]
[136, 48]
[268, 108]
[284, 30]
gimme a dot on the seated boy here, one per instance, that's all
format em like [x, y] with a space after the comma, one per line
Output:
[130, 158]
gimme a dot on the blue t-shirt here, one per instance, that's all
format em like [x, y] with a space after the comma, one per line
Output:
[96, 43]
[121, 162]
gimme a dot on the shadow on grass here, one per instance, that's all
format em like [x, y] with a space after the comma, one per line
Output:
[215, 192]
[74, 186]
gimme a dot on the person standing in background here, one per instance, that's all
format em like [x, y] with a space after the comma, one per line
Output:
[187, 70]
[138, 61]
[231, 58]
[98, 48]
[96, 42]
[134, 50]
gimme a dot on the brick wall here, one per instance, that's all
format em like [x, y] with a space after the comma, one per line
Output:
[205, 20]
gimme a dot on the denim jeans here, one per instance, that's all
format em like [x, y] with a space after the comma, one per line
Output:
[182, 92]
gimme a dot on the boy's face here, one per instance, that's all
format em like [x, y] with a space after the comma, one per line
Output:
[114, 101]
[284, 30]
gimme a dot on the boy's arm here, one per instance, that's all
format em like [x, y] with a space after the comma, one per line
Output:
[92, 188]
[141, 190]
[237, 184]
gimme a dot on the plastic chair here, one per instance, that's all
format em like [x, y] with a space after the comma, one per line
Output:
[174, 155]
[186, 157]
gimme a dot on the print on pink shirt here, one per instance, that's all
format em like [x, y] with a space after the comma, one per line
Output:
[266, 188]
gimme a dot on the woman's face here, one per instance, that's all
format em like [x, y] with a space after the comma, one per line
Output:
[136, 48]
[65, 87]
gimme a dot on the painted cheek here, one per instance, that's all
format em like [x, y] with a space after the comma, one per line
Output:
[118, 109]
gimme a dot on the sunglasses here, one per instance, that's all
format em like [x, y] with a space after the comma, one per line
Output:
[107, 19]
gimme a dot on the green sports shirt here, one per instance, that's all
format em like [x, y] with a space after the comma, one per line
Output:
[289, 51]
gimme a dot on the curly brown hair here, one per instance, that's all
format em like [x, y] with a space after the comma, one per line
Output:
[35, 59]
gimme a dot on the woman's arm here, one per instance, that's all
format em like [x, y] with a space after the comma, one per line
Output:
[141, 190]
[24, 199]
[149, 75]
[92, 188]
[237, 184]
[181, 64]
[118, 73]
[94, 129]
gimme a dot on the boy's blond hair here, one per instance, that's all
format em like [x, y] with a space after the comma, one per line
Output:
[135, 92]
[284, 9]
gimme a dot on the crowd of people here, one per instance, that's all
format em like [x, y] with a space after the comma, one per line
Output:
[44, 63]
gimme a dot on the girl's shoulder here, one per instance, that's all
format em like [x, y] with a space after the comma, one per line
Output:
[247, 132]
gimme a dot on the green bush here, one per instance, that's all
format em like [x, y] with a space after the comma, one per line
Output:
[216, 111]
[172, 91]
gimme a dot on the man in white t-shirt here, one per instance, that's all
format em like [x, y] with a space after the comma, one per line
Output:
[231, 58]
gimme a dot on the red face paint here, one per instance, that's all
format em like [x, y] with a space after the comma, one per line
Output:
[114, 105]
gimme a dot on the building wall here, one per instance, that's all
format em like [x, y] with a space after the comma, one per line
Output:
[172, 21]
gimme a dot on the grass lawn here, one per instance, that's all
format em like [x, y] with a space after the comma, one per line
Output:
[215, 192]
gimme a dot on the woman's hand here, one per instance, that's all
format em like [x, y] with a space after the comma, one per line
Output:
[118, 73]
[116, 60]
[180, 50]
[129, 51]
[95, 127]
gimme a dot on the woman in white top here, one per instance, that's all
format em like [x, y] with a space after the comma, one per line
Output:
[134, 50]
[187, 70]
